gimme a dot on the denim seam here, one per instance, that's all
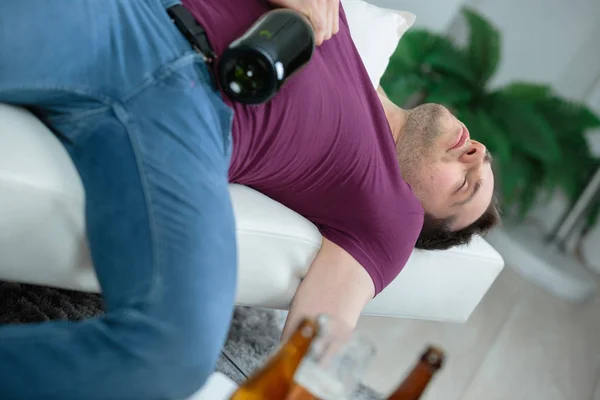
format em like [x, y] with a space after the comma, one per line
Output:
[76, 117]
[162, 72]
[228, 138]
[79, 117]
[106, 100]
[130, 128]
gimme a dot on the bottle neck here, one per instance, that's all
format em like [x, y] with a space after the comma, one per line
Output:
[273, 381]
[415, 383]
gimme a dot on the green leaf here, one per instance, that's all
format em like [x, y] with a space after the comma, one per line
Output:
[449, 92]
[520, 180]
[426, 52]
[572, 174]
[521, 177]
[482, 128]
[531, 92]
[526, 128]
[493, 136]
[587, 117]
[514, 173]
[554, 176]
[569, 118]
[484, 46]
[412, 51]
[400, 89]
[593, 215]
[446, 58]
[460, 113]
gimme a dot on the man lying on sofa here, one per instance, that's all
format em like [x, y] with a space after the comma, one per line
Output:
[156, 146]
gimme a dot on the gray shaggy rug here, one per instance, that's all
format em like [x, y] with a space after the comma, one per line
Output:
[254, 332]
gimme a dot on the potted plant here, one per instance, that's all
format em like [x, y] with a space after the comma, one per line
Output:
[537, 138]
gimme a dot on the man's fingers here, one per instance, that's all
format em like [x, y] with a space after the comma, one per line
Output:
[329, 20]
[319, 23]
[335, 28]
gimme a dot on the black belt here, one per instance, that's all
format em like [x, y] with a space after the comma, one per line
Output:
[195, 34]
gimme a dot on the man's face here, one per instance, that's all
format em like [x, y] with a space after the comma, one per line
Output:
[450, 173]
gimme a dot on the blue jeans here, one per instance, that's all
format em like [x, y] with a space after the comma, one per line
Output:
[150, 137]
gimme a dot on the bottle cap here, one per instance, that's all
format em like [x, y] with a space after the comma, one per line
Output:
[434, 357]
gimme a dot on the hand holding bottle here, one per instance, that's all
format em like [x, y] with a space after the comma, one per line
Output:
[322, 360]
[324, 15]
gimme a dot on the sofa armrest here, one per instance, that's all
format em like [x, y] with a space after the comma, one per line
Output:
[276, 247]
[441, 285]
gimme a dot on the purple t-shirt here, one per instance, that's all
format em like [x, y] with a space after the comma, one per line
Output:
[323, 147]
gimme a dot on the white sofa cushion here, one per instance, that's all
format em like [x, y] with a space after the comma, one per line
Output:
[43, 241]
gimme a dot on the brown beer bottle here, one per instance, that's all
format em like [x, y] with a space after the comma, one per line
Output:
[413, 387]
[334, 364]
[273, 381]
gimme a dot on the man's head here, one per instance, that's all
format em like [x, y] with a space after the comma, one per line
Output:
[449, 173]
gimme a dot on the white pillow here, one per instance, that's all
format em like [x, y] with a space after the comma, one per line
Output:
[376, 32]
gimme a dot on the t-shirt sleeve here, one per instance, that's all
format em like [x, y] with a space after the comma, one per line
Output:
[380, 241]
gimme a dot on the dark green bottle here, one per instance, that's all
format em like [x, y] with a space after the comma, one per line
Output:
[255, 66]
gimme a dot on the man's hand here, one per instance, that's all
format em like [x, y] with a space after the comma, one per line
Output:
[336, 285]
[324, 15]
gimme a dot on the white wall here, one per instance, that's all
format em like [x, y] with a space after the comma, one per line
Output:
[581, 75]
[591, 243]
[544, 39]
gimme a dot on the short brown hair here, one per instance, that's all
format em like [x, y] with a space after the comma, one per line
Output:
[436, 233]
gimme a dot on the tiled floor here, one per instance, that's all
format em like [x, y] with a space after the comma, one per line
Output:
[520, 344]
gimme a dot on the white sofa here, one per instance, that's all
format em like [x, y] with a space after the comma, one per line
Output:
[43, 241]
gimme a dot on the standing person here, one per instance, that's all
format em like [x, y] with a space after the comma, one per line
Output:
[156, 146]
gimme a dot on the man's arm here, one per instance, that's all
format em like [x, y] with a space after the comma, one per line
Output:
[336, 284]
